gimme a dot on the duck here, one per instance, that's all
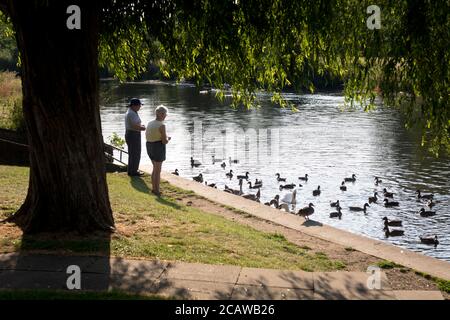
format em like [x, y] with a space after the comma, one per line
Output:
[258, 182]
[393, 232]
[429, 240]
[343, 187]
[212, 185]
[280, 179]
[229, 174]
[254, 197]
[378, 181]
[352, 179]
[255, 186]
[232, 161]
[334, 204]
[305, 178]
[243, 176]
[214, 160]
[316, 192]
[176, 172]
[392, 223]
[306, 211]
[233, 191]
[195, 163]
[390, 204]
[272, 202]
[337, 214]
[284, 206]
[374, 198]
[424, 213]
[198, 178]
[287, 186]
[359, 208]
[290, 197]
[223, 165]
[424, 196]
[430, 204]
[388, 194]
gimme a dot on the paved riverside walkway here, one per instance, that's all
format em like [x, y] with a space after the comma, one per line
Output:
[405, 257]
[193, 280]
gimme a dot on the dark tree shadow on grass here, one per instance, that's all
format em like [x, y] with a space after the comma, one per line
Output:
[140, 185]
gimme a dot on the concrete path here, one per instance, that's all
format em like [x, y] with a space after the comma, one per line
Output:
[195, 281]
[408, 258]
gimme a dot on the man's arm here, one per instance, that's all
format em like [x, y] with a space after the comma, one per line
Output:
[136, 123]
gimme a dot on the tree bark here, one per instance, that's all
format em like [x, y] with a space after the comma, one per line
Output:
[67, 186]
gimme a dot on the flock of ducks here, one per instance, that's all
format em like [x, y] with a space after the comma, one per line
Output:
[291, 198]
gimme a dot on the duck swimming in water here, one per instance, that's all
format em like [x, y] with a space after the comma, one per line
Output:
[424, 213]
[388, 203]
[424, 196]
[393, 232]
[337, 214]
[316, 192]
[287, 186]
[374, 198]
[429, 240]
[392, 223]
[359, 208]
[195, 163]
[352, 179]
[243, 176]
[388, 194]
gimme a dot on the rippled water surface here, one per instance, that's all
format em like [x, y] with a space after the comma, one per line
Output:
[323, 140]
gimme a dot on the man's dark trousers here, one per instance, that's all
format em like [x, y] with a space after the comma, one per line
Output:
[133, 139]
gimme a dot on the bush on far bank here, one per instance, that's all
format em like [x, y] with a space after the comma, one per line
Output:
[11, 116]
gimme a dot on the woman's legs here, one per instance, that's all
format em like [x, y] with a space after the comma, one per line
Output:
[156, 176]
[153, 176]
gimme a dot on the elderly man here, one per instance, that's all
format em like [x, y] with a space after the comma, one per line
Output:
[133, 128]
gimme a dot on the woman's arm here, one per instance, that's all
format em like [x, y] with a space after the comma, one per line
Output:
[164, 138]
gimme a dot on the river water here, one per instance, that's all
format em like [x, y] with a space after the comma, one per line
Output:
[322, 139]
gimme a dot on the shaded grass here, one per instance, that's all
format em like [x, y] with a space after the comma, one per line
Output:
[163, 228]
[72, 295]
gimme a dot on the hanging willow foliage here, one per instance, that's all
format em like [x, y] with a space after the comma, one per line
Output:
[271, 44]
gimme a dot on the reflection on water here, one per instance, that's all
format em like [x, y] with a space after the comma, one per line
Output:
[321, 140]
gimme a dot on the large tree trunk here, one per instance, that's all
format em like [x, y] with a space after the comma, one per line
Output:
[67, 187]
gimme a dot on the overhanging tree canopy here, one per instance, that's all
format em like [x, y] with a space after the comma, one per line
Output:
[255, 44]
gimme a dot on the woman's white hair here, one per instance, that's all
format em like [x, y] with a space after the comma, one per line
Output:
[161, 109]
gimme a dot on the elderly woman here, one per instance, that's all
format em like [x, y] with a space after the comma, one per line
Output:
[156, 145]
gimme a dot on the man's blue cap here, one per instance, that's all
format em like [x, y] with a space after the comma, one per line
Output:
[135, 102]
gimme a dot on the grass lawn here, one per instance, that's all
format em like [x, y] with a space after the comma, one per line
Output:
[161, 228]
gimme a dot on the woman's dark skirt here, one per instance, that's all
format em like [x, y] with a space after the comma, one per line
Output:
[156, 151]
